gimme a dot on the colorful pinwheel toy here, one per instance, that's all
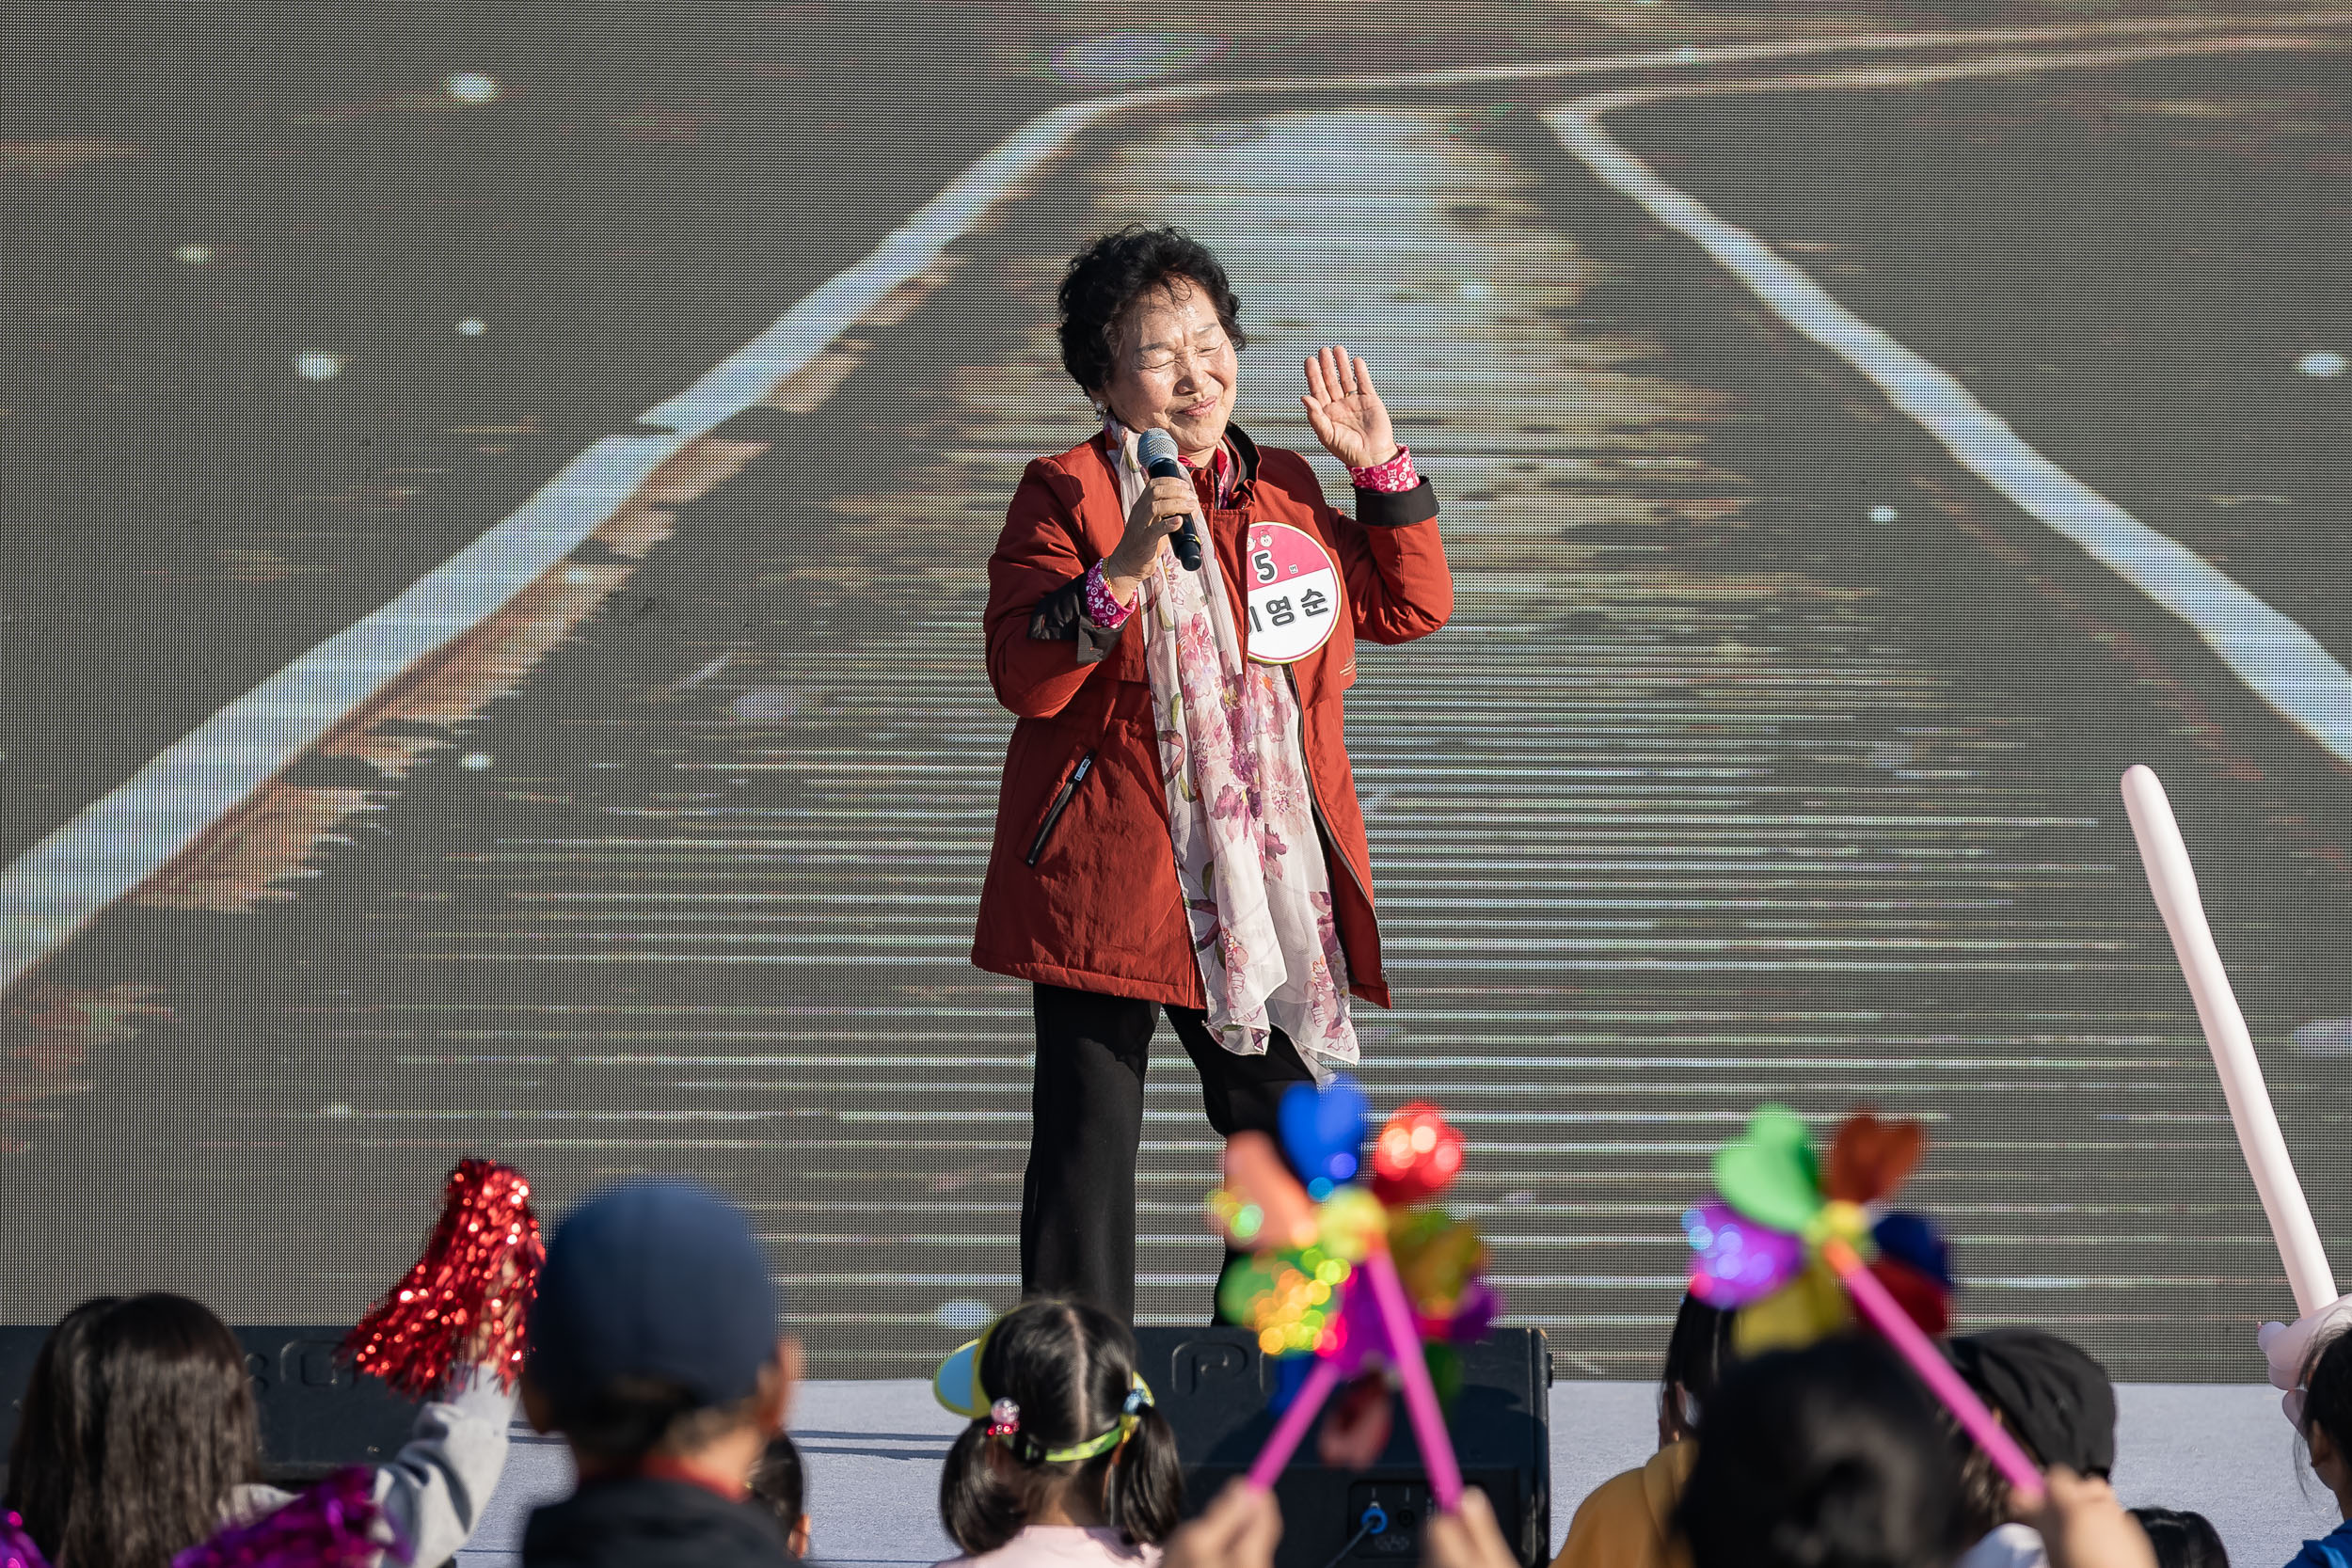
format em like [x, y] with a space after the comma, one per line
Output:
[1340, 1273]
[1787, 1246]
[1757, 1246]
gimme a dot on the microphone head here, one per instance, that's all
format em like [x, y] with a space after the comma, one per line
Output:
[1155, 446]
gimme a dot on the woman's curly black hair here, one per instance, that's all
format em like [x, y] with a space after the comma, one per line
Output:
[1106, 279]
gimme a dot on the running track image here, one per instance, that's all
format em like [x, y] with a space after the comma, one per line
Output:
[1770, 752]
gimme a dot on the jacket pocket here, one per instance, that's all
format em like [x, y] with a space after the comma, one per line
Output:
[1060, 803]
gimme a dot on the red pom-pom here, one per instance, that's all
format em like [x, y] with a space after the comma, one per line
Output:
[462, 1305]
[1417, 1155]
[335, 1524]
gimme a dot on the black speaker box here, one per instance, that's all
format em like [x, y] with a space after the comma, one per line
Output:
[1213, 1384]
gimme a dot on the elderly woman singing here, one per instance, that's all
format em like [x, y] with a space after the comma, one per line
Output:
[1178, 827]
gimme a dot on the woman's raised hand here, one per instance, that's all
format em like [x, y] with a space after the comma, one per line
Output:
[1347, 415]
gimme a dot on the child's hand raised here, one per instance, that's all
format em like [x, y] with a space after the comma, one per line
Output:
[1469, 1537]
[1236, 1531]
[2082, 1525]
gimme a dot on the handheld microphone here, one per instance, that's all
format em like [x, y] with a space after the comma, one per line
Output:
[1156, 451]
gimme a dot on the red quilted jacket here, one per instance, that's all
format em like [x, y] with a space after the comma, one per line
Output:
[1081, 888]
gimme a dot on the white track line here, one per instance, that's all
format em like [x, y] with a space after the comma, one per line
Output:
[58, 886]
[2274, 657]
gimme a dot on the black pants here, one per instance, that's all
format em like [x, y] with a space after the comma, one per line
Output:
[1085, 1117]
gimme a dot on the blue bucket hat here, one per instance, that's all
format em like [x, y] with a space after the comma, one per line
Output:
[652, 1280]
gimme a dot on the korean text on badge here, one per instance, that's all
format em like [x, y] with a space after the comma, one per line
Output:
[1294, 593]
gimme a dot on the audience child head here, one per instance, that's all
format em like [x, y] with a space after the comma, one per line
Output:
[2182, 1540]
[1071, 1439]
[2052, 1396]
[135, 1432]
[782, 1488]
[2325, 1417]
[1828, 1457]
[653, 1334]
[1698, 1353]
[654, 1351]
[1628, 1520]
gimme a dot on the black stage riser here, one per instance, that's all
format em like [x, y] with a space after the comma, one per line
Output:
[1212, 1385]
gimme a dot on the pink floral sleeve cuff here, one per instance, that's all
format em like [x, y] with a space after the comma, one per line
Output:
[1393, 476]
[1101, 608]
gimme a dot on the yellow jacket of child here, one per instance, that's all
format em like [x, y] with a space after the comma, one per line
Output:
[1627, 1522]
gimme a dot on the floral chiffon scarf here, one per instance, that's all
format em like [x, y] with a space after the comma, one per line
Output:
[1233, 762]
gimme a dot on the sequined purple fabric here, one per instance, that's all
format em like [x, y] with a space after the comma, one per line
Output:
[335, 1524]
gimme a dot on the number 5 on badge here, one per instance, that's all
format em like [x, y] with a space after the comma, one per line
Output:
[1294, 593]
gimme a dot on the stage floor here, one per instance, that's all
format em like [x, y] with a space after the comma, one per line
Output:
[873, 1450]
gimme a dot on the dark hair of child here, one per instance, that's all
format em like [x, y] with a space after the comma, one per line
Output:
[777, 1482]
[1069, 1368]
[2327, 1392]
[1829, 1457]
[1698, 1351]
[1984, 1493]
[136, 1426]
[633, 1419]
[2182, 1540]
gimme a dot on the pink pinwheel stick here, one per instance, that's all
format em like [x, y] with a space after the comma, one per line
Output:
[1295, 1422]
[1420, 1395]
[2173, 881]
[1896, 1324]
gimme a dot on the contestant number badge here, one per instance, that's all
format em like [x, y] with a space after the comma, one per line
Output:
[1294, 593]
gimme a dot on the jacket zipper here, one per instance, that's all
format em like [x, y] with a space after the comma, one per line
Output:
[1313, 802]
[1062, 798]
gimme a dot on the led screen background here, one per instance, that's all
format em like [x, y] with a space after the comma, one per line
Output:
[1770, 752]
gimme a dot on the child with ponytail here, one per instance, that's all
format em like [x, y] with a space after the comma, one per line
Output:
[1065, 1462]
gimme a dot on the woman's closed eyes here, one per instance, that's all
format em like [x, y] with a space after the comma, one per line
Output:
[1158, 360]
